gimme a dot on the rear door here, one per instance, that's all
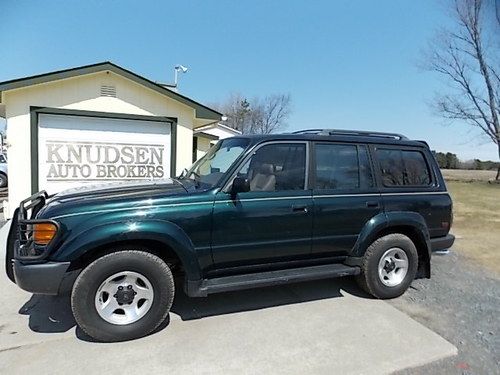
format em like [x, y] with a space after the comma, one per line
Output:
[345, 196]
[273, 221]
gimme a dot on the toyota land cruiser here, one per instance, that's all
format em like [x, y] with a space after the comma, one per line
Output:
[254, 211]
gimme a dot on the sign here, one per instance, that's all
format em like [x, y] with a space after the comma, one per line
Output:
[78, 150]
[81, 161]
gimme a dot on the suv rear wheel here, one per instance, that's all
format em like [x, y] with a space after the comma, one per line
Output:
[123, 295]
[389, 266]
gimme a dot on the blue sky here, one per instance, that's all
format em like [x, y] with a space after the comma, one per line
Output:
[347, 64]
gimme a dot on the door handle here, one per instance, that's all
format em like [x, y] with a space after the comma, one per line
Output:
[302, 209]
[372, 204]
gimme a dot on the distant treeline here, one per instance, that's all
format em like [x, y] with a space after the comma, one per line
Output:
[451, 161]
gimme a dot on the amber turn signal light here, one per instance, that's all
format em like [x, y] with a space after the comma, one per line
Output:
[43, 233]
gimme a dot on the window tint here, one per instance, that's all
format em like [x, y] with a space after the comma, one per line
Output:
[276, 167]
[342, 167]
[391, 166]
[417, 172]
[403, 167]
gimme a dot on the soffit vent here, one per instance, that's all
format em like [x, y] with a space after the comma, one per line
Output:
[107, 90]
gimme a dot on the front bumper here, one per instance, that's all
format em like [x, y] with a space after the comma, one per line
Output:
[40, 278]
[442, 243]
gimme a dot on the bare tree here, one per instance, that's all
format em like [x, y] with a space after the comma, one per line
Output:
[467, 56]
[258, 115]
[270, 114]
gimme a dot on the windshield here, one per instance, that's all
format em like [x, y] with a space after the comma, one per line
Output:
[209, 170]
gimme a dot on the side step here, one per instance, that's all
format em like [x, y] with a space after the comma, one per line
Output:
[269, 278]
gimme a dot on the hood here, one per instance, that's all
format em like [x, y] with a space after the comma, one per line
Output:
[97, 195]
[119, 188]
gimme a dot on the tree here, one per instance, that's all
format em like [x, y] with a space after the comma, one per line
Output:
[468, 57]
[257, 116]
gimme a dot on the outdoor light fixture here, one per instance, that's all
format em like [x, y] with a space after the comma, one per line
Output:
[179, 68]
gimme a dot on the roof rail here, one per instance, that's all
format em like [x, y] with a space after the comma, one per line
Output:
[351, 132]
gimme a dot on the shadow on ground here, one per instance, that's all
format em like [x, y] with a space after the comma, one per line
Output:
[52, 314]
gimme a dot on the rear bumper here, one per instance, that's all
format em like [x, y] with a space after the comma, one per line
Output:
[442, 243]
[40, 278]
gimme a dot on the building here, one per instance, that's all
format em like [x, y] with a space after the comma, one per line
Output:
[206, 136]
[98, 123]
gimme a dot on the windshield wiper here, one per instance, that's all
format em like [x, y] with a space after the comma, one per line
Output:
[186, 175]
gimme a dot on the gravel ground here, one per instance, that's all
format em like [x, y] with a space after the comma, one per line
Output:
[462, 304]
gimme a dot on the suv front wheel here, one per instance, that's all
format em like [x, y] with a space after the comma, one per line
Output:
[123, 295]
[389, 266]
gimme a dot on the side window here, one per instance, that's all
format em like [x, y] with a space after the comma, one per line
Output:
[276, 167]
[391, 167]
[403, 168]
[342, 167]
[417, 172]
[2, 159]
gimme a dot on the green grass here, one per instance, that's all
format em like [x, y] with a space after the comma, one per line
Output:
[476, 208]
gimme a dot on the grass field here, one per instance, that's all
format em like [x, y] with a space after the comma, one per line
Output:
[467, 175]
[476, 208]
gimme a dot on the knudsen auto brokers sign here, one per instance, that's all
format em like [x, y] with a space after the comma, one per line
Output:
[80, 150]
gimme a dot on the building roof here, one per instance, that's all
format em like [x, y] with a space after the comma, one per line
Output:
[206, 135]
[202, 111]
[218, 125]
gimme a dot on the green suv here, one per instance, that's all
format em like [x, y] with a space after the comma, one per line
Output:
[254, 211]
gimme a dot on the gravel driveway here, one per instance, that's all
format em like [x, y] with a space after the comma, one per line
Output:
[462, 304]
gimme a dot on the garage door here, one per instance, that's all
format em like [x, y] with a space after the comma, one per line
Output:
[77, 150]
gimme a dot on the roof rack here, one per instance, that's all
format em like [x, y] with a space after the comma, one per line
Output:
[351, 132]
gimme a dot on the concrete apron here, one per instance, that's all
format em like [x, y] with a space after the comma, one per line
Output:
[313, 327]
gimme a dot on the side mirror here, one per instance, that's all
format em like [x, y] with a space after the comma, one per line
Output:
[240, 185]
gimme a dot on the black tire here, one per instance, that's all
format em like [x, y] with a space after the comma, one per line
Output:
[369, 279]
[86, 285]
[3, 180]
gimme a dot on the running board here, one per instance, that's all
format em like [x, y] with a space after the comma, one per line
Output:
[269, 278]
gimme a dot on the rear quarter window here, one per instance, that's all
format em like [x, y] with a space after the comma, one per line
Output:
[400, 167]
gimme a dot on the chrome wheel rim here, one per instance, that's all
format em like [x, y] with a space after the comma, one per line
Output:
[124, 298]
[393, 267]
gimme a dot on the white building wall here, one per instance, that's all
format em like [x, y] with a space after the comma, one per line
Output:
[83, 93]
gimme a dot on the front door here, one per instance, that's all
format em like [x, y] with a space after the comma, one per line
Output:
[273, 221]
[345, 197]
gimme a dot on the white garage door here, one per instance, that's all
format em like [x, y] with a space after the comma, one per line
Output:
[76, 150]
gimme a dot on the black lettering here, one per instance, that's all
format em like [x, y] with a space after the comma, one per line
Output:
[140, 153]
[131, 171]
[85, 170]
[121, 170]
[107, 159]
[127, 155]
[141, 171]
[73, 153]
[156, 153]
[101, 171]
[52, 172]
[53, 150]
[111, 171]
[89, 153]
[159, 171]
